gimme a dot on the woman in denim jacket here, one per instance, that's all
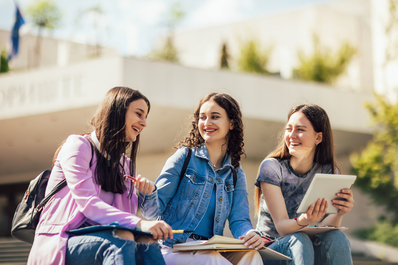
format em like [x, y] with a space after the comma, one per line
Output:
[206, 197]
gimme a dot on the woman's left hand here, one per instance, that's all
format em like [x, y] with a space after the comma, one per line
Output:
[345, 205]
[252, 240]
[144, 185]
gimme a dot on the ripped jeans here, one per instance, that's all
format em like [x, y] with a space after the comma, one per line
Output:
[329, 248]
[104, 247]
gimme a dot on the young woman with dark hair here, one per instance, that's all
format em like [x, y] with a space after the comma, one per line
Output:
[207, 196]
[97, 193]
[284, 176]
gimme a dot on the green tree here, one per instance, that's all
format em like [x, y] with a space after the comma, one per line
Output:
[384, 231]
[45, 15]
[391, 27]
[253, 58]
[168, 52]
[377, 165]
[323, 65]
[224, 59]
[95, 15]
[3, 62]
[377, 170]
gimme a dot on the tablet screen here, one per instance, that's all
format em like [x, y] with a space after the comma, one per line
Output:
[325, 186]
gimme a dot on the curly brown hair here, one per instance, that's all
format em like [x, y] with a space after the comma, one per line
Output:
[235, 136]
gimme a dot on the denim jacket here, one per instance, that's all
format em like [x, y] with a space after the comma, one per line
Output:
[185, 207]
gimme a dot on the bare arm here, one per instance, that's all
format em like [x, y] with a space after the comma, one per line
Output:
[276, 204]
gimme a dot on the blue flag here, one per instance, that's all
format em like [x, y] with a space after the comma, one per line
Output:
[19, 21]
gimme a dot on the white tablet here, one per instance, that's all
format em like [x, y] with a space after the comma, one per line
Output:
[325, 186]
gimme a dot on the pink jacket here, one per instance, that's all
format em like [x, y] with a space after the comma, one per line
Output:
[82, 199]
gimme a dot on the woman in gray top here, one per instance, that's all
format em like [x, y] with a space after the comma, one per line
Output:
[284, 177]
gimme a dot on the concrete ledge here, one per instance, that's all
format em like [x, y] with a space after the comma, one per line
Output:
[373, 249]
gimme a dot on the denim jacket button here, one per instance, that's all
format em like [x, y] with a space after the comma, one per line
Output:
[220, 199]
[218, 179]
[218, 219]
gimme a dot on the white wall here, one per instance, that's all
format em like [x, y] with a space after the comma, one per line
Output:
[362, 23]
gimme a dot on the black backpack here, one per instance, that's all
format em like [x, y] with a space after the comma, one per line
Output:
[27, 214]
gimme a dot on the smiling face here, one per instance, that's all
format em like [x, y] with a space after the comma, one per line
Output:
[136, 116]
[300, 137]
[213, 124]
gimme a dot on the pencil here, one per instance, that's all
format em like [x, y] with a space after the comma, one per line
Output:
[181, 231]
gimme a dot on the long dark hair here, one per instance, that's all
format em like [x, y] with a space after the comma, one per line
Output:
[235, 136]
[109, 124]
[324, 152]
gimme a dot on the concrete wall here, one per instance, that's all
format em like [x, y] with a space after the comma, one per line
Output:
[362, 23]
[52, 52]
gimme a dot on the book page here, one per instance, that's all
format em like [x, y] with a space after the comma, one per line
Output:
[226, 244]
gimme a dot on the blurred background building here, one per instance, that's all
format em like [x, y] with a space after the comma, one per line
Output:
[48, 95]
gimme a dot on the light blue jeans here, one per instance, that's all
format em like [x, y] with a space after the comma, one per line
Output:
[329, 248]
[104, 247]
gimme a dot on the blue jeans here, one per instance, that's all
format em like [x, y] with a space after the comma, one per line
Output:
[329, 248]
[104, 247]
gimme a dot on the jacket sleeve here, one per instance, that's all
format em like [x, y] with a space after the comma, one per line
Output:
[154, 204]
[239, 217]
[74, 158]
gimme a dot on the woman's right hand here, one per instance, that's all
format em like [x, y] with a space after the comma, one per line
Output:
[158, 229]
[315, 212]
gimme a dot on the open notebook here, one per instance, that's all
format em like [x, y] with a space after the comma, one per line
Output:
[226, 244]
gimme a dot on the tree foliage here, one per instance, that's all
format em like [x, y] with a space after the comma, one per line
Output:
[323, 65]
[391, 31]
[168, 52]
[253, 58]
[224, 58]
[384, 232]
[377, 165]
[3, 63]
[96, 17]
[44, 14]
[175, 15]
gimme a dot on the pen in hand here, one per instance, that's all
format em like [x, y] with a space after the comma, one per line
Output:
[130, 177]
[181, 231]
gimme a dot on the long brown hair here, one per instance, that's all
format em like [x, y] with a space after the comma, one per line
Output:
[235, 136]
[109, 124]
[324, 152]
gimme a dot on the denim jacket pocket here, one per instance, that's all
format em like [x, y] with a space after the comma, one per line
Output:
[229, 186]
[229, 192]
[193, 185]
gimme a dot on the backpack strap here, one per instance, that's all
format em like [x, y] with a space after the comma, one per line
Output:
[60, 185]
[184, 167]
[235, 177]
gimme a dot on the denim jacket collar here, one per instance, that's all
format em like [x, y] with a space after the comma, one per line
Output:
[202, 152]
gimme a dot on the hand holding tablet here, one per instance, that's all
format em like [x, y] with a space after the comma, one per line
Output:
[325, 186]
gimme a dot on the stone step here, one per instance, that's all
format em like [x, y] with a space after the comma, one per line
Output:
[13, 251]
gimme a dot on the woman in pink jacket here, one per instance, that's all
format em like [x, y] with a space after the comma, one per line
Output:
[97, 192]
